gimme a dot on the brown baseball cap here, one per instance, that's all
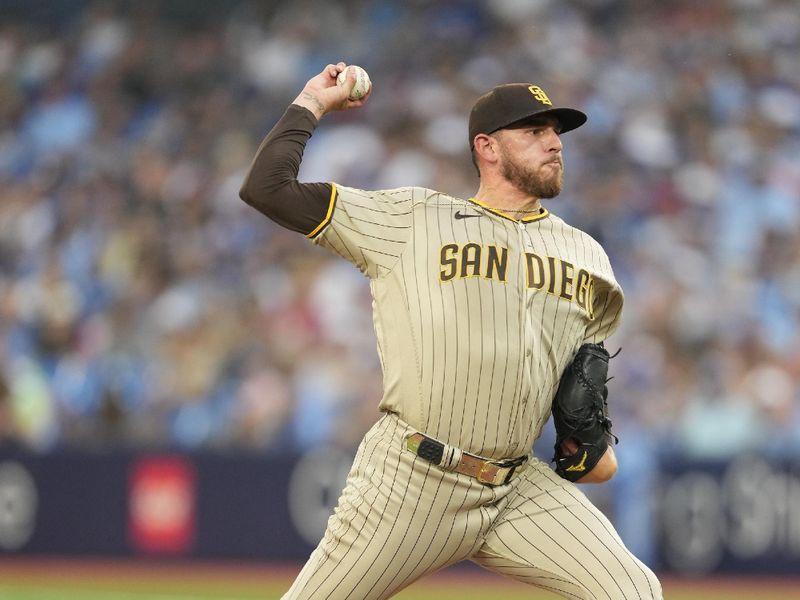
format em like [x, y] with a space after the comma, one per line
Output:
[509, 103]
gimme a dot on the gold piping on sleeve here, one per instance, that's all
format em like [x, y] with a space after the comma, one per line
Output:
[327, 218]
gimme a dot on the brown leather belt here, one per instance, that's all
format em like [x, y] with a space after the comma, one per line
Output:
[489, 472]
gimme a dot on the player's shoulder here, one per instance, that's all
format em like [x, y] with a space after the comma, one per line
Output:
[411, 194]
[580, 236]
[421, 195]
[561, 225]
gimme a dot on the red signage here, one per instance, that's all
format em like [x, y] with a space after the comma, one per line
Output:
[162, 500]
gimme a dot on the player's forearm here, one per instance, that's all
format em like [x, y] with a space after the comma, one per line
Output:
[604, 470]
[271, 185]
[310, 102]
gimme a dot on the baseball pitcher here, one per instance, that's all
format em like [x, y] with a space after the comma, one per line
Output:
[490, 314]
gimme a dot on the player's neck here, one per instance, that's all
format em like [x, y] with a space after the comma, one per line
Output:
[502, 196]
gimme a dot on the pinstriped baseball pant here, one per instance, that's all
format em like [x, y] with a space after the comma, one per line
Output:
[400, 518]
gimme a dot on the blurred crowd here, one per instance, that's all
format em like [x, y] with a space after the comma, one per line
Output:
[142, 304]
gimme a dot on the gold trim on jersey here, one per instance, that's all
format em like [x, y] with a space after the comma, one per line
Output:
[327, 218]
[543, 212]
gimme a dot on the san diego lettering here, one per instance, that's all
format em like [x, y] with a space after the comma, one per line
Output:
[547, 273]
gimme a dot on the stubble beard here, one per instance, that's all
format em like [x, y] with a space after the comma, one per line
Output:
[529, 181]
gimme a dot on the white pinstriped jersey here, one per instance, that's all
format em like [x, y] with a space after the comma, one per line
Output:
[477, 314]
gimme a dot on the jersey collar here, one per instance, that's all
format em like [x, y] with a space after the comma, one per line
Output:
[543, 212]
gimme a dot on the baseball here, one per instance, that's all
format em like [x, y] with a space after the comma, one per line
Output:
[362, 85]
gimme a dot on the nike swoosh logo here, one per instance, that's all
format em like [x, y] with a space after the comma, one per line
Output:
[460, 215]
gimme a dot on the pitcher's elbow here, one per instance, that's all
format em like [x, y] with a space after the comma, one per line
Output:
[246, 194]
[263, 200]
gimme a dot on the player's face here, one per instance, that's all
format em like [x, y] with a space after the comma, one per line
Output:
[531, 157]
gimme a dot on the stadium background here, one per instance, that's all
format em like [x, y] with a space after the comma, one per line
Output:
[181, 380]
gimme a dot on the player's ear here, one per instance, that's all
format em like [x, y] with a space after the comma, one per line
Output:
[485, 148]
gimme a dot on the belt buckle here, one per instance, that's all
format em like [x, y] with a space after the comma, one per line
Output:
[495, 477]
[504, 471]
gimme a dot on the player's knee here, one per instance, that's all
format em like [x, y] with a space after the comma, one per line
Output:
[623, 577]
[656, 593]
[639, 583]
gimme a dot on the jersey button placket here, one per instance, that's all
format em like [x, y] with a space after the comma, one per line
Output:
[525, 244]
[523, 357]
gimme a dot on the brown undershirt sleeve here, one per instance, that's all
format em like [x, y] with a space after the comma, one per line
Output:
[271, 185]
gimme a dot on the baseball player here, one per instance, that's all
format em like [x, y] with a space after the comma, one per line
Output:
[482, 307]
